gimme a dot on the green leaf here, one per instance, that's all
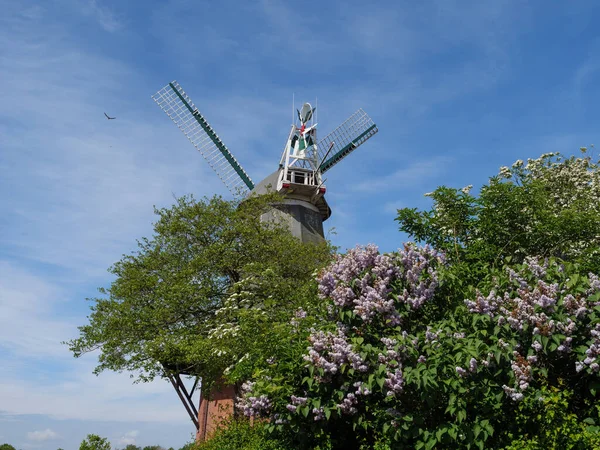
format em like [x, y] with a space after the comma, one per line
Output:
[452, 431]
[440, 433]
[304, 410]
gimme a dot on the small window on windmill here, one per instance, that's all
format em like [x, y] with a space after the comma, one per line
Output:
[299, 177]
[289, 175]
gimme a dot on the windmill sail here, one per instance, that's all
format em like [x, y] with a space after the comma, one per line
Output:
[346, 138]
[182, 111]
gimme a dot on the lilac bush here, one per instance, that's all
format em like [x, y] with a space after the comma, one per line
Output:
[385, 359]
[546, 312]
[348, 366]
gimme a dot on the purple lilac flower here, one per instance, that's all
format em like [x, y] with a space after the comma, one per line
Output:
[394, 382]
[298, 401]
[361, 389]
[512, 393]
[431, 336]
[330, 351]
[319, 413]
[524, 305]
[347, 404]
[592, 352]
[594, 281]
[298, 315]
[255, 406]
[361, 280]
[521, 368]
[473, 365]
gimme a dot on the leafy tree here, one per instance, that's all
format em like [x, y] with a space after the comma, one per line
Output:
[94, 442]
[546, 207]
[132, 447]
[161, 310]
[6, 447]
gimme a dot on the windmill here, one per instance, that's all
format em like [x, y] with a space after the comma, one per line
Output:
[299, 175]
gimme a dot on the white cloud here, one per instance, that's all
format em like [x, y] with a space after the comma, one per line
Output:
[128, 438]
[28, 327]
[414, 174]
[41, 436]
[108, 397]
[103, 15]
[39, 374]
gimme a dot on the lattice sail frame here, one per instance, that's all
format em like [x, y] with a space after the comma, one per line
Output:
[352, 133]
[173, 100]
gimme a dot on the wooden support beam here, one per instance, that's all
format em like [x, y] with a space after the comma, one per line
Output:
[185, 399]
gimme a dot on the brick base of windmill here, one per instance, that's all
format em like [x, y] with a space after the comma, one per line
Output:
[215, 410]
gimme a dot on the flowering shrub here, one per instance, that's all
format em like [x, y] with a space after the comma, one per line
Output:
[546, 206]
[356, 362]
[377, 370]
[465, 344]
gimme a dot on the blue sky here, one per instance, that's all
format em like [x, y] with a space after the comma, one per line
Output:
[457, 88]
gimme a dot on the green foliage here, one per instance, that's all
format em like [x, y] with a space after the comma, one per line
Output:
[516, 364]
[241, 435]
[494, 345]
[6, 447]
[189, 446]
[471, 379]
[172, 304]
[546, 207]
[132, 447]
[94, 442]
[555, 425]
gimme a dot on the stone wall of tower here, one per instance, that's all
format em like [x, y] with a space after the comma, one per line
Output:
[303, 220]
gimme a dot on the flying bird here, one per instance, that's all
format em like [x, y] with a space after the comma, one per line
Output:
[109, 118]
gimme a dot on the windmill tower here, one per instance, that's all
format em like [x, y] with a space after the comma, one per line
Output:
[298, 176]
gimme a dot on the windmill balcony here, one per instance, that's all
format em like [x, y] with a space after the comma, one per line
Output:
[301, 181]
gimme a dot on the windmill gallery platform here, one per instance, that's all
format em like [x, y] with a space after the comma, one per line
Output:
[299, 178]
